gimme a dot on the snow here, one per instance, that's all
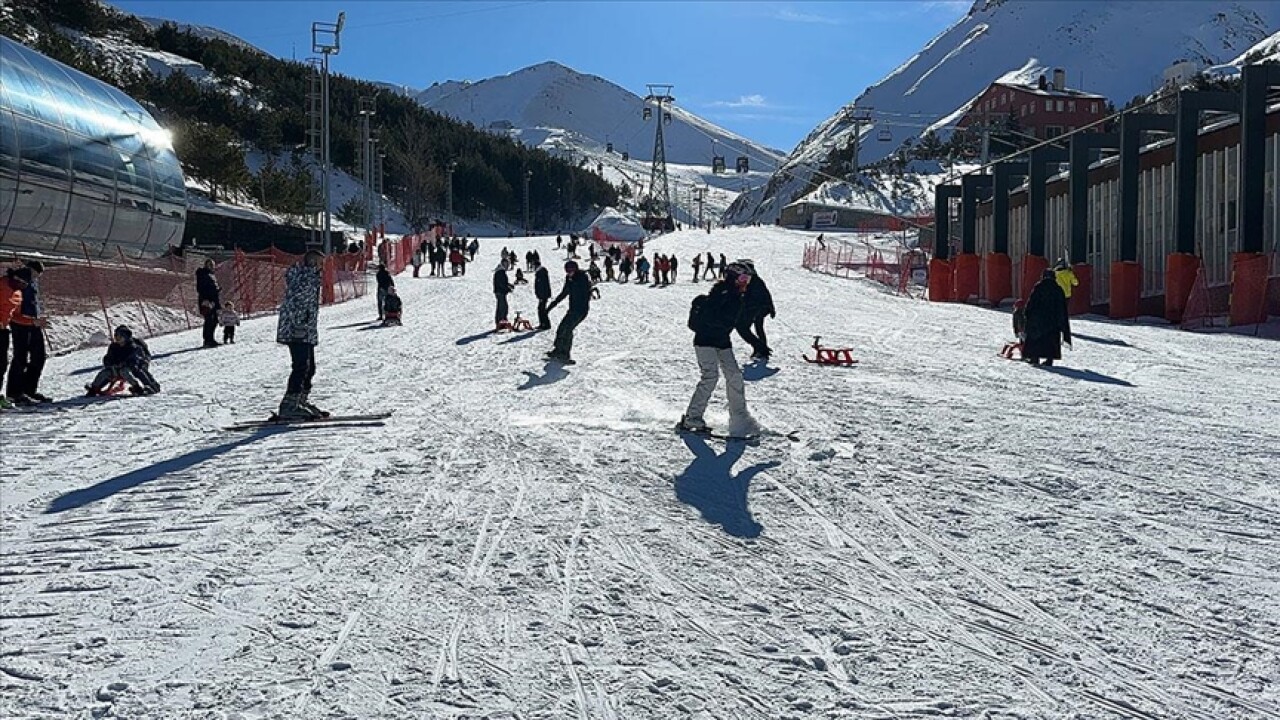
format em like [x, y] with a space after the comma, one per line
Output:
[955, 535]
[1116, 48]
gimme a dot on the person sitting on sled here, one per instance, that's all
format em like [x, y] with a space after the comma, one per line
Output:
[392, 307]
[128, 359]
[1019, 330]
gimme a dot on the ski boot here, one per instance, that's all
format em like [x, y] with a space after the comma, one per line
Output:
[693, 425]
[291, 408]
[305, 402]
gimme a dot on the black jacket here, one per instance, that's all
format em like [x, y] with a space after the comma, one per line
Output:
[501, 284]
[1047, 323]
[542, 284]
[578, 289]
[384, 279]
[207, 287]
[719, 315]
[393, 304]
[757, 301]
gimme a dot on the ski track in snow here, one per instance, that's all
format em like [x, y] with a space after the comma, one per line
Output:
[955, 535]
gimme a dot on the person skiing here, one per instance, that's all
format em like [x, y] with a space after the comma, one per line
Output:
[1047, 323]
[385, 282]
[757, 302]
[501, 288]
[697, 265]
[578, 289]
[208, 294]
[127, 359]
[229, 319]
[26, 325]
[712, 317]
[542, 291]
[298, 328]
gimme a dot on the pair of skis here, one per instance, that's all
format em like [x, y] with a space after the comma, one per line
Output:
[273, 421]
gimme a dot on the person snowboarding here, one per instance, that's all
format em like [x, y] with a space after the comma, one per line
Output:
[542, 291]
[385, 282]
[208, 294]
[501, 288]
[757, 302]
[711, 318]
[578, 289]
[298, 328]
[128, 359]
[1047, 323]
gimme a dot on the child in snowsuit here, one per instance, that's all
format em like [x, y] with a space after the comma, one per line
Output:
[593, 271]
[1019, 330]
[127, 359]
[229, 319]
[392, 307]
[520, 277]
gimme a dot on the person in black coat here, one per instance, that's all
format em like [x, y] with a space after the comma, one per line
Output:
[542, 291]
[757, 302]
[385, 282]
[578, 289]
[501, 288]
[1047, 323]
[209, 295]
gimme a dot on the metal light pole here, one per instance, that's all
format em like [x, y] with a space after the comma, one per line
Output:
[448, 201]
[325, 41]
[382, 208]
[366, 111]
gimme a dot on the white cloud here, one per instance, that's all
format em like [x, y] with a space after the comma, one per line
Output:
[789, 15]
[745, 101]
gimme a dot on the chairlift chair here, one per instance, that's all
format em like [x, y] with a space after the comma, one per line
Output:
[885, 135]
[648, 113]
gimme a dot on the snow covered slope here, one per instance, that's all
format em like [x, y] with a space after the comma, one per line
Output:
[1118, 48]
[590, 110]
[956, 535]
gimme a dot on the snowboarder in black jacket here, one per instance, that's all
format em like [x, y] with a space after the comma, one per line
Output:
[757, 302]
[501, 288]
[578, 289]
[1047, 323]
[209, 296]
[542, 291]
[712, 318]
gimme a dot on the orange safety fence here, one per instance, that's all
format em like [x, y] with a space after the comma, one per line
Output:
[907, 269]
[86, 299]
[1252, 295]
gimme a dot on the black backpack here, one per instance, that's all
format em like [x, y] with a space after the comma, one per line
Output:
[698, 313]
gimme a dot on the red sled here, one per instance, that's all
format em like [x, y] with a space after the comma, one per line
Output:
[520, 324]
[830, 356]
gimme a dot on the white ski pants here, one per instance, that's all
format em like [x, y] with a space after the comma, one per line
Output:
[712, 362]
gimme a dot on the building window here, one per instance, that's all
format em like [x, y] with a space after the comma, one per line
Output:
[1093, 108]
[1024, 111]
[1059, 106]
[1052, 131]
[1048, 106]
[1071, 106]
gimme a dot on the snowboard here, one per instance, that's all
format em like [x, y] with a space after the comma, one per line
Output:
[792, 436]
[274, 421]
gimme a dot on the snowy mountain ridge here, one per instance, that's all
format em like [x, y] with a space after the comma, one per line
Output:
[1117, 48]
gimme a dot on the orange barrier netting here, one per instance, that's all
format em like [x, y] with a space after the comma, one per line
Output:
[158, 296]
[1252, 295]
[908, 268]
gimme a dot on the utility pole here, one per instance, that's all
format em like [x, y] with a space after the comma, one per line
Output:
[658, 215]
[382, 208]
[325, 41]
[528, 175]
[366, 110]
[448, 200]
[699, 197]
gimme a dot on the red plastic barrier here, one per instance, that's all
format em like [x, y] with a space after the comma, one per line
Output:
[967, 271]
[1180, 276]
[939, 280]
[1126, 289]
[1079, 303]
[1248, 288]
[999, 277]
[1033, 266]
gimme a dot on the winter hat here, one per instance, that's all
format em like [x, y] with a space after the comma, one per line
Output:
[124, 332]
[746, 263]
[570, 266]
[1046, 275]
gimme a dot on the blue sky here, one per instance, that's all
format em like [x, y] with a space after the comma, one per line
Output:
[770, 71]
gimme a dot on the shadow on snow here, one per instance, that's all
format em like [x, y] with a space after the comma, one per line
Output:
[552, 372]
[710, 485]
[1087, 376]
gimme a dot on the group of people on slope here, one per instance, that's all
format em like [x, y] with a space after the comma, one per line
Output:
[1042, 323]
[214, 311]
[455, 250]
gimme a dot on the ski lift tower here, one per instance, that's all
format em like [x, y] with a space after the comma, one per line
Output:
[657, 214]
[325, 42]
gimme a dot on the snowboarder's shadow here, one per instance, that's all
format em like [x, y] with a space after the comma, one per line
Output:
[758, 370]
[710, 485]
[478, 336]
[552, 372]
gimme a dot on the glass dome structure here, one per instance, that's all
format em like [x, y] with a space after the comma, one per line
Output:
[81, 162]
